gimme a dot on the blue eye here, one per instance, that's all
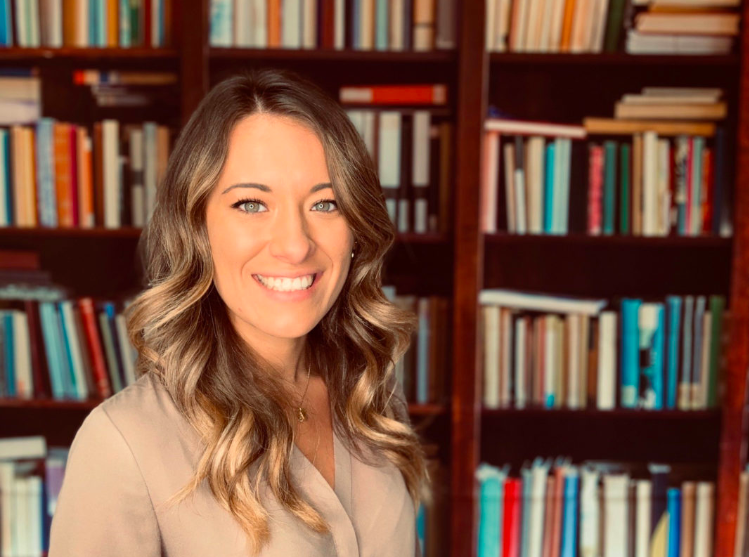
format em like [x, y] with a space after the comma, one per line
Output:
[320, 205]
[248, 205]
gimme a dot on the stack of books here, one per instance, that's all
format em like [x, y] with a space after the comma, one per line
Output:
[125, 88]
[20, 96]
[593, 508]
[683, 27]
[388, 25]
[556, 352]
[423, 368]
[60, 174]
[408, 133]
[84, 24]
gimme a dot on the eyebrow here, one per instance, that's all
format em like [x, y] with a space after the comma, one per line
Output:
[267, 189]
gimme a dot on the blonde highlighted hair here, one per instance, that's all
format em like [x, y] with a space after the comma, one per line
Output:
[180, 327]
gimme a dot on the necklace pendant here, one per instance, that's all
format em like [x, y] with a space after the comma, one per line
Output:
[301, 414]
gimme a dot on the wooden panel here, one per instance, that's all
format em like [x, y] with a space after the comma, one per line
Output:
[734, 431]
[472, 79]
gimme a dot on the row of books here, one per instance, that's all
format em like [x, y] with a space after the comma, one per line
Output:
[666, 178]
[65, 350]
[59, 174]
[423, 369]
[576, 26]
[682, 27]
[30, 480]
[432, 518]
[85, 23]
[554, 352]
[395, 25]
[412, 149]
[560, 509]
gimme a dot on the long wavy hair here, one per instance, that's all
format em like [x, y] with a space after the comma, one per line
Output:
[226, 391]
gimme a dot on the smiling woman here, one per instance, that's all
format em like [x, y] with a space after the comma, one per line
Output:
[267, 419]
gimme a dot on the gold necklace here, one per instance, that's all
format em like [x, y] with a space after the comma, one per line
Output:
[301, 412]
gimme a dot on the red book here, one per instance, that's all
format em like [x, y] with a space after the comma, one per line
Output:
[558, 512]
[327, 22]
[395, 94]
[93, 342]
[511, 519]
[595, 189]
[708, 200]
[690, 188]
[39, 369]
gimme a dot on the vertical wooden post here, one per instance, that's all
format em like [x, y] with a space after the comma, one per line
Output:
[195, 29]
[468, 278]
[734, 427]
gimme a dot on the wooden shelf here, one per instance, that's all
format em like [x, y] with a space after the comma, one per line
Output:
[416, 409]
[48, 232]
[611, 59]
[322, 55]
[612, 240]
[33, 55]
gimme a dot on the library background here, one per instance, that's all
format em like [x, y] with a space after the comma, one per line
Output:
[569, 180]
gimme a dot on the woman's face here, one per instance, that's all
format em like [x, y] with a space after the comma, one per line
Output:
[274, 228]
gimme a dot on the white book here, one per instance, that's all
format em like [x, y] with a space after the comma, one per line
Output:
[519, 26]
[340, 24]
[664, 188]
[616, 513]
[81, 38]
[704, 510]
[509, 177]
[491, 31]
[51, 31]
[35, 35]
[738, 546]
[366, 25]
[535, 21]
[583, 359]
[521, 206]
[22, 354]
[606, 381]
[573, 355]
[150, 147]
[423, 25]
[242, 24]
[635, 98]
[524, 127]
[535, 148]
[590, 513]
[491, 315]
[557, 23]
[599, 26]
[7, 474]
[540, 302]
[647, 43]
[66, 314]
[544, 44]
[714, 93]
[649, 182]
[389, 149]
[642, 520]
[34, 487]
[562, 155]
[539, 475]
[369, 124]
[221, 14]
[259, 23]
[490, 186]
[20, 517]
[550, 359]
[23, 448]
[503, 26]
[395, 39]
[578, 41]
[112, 182]
[291, 23]
[701, 402]
[520, 379]
[309, 24]
[422, 130]
[505, 355]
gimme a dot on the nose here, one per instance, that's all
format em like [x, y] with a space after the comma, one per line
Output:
[290, 236]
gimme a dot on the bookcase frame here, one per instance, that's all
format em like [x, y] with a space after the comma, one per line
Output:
[192, 55]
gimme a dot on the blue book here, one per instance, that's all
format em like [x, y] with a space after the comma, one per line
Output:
[630, 356]
[652, 323]
[10, 360]
[491, 499]
[111, 314]
[382, 25]
[681, 157]
[570, 513]
[93, 19]
[421, 522]
[674, 522]
[102, 25]
[609, 186]
[685, 384]
[67, 339]
[45, 168]
[549, 188]
[6, 36]
[221, 22]
[673, 328]
[126, 35]
[407, 24]
[62, 350]
[47, 318]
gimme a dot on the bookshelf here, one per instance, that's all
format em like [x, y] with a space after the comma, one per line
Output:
[462, 262]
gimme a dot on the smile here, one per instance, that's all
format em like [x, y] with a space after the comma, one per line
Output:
[286, 284]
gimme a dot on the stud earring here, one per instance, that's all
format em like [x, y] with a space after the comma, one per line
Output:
[352, 255]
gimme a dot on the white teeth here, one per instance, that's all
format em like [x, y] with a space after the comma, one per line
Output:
[286, 284]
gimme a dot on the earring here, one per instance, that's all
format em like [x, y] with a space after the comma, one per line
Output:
[352, 255]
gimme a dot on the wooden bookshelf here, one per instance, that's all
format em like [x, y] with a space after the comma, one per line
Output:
[462, 262]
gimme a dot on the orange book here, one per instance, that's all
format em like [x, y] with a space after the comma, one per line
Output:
[31, 205]
[274, 23]
[69, 22]
[86, 217]
[112, 24]
[569, 16]
[63, 182]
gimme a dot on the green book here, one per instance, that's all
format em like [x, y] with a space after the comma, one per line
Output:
[717, 305]
[614, 26]
[609, 186]
[624, 180]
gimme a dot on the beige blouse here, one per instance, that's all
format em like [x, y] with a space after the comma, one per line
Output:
[135, 450]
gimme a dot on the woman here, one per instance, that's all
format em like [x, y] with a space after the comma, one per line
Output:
[267, 419]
